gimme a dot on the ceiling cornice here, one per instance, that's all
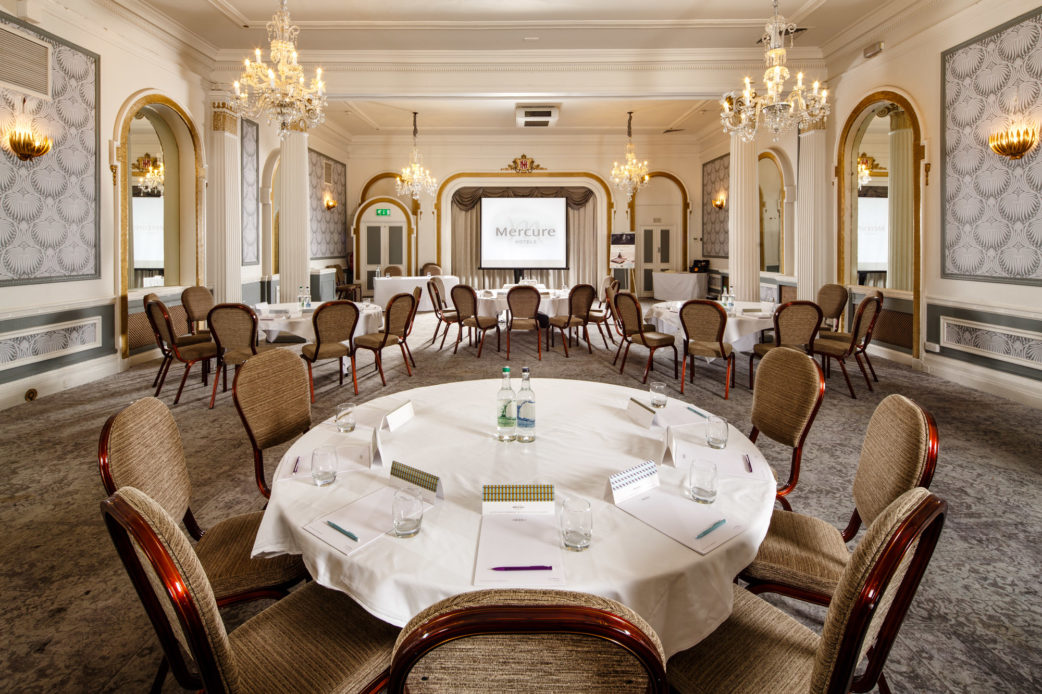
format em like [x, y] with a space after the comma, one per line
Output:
[485, 24]
[163, 27]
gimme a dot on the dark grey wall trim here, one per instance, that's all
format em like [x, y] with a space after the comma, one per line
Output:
[107, 312]
[251, 292]
[934, 312]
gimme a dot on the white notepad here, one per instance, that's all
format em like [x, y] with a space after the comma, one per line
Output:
[672, 514]
[369, 518]
[519, 540]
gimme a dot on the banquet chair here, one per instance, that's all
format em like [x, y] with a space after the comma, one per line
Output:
[606, 282]
[197, 302]
[602, 315]
[523, 302]
[417, 294]
[430, 269]
[580, 299]
[234, 329]
[181, 350]
[788, 392]
[313, 640]
[613, 316]
[186, 339]
[393, 271]
[863, 343]
[334, 323]
[345, 289]
[704, 323]
[272, 398]
[796, 324]
[396, 324]
[527, 640]
[465, 299]
[832, 300]
[864, 321]
[762, 649]
[441, 311]
[804, 557]
[634, 331]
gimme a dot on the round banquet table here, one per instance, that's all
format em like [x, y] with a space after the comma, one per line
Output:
[492, 302]
[583, 435]
[741, 330]
[291, 319]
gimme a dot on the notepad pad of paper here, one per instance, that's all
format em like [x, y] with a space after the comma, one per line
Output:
[519, 528]
[369, 518]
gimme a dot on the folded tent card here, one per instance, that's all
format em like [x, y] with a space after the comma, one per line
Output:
[520, 543]
[391, 416]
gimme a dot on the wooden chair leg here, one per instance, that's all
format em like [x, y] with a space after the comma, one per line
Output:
[459, 337]
[846, 376]
[408, 351]
[604, 339]
[676, 356]
[405, 357]
[538, 342]
[188, 367]
[380, 367]
[861, 366]
[586, 334]
[728, 376]
[499, 337]
[311, 381]
[683, 374]
[443, 336]
[508, 343]
[354, 373]
[166, 370]
[751, 357]
[213, 396]
[618, 351]
[162, 366]
[870, 367]
[564, 341]
[157, 681]
[481, 345]
[784, 502]
[224, 373]
[341, 362]
[625, 354]
[650, 365]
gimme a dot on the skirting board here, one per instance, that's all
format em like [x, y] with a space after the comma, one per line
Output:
[1016, 388]
[55, 381]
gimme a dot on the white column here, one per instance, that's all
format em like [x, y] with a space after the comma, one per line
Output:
[265, 218]
[789, 232]
[743, 222]
[811, 207]
[901, 211]
[227, 201]
[294, 224]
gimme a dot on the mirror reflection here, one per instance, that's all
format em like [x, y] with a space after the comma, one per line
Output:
[154, 223]
[772, 205]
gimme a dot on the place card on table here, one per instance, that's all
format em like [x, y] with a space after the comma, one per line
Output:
[429, 486]
[628, 483]
[517, 498]
[393, 417]
[399, 415]
[641, 413]
[520, 542]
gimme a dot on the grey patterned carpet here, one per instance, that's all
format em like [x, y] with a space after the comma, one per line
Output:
[71, 622]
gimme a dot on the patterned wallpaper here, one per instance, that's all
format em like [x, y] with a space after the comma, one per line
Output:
[29, 347]
[993, 341]
[716, 176]
[250, 178]
[992, 227]
[50, 224]
[328, 227]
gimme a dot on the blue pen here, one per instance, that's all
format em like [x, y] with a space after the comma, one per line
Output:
[700, 414]
[336, 527]
[710, 529]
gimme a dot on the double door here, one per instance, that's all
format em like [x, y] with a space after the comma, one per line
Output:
[656, 250]
[384, 245]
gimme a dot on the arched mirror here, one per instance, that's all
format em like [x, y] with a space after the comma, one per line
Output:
[772, 210]
[154, 224]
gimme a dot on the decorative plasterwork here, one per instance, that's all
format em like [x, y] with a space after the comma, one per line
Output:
[22, 347]
[249, 178]
[1023, 347]
[523, 165]
[224, 120]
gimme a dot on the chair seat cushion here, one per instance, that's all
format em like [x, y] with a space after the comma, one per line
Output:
[836, 348]
[708, 349]
[328, 350]
[653, 339]
[449, 316]
[314, 640]
[202, 350]
[375, 340]
[648, 328]
[201, 336]
[566, 322]
[598, 315]
[832, 335]
[224, 552]
[482, 322]
[762, 348]
[234, 357]
[758, 649]
[524, 324]
[800, 551]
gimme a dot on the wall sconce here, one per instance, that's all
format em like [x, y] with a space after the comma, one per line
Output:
[720, 201]
[23, 141]
[329, 202]
[1014, 142]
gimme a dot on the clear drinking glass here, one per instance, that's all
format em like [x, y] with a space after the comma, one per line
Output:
[716, 432]
[323, 465]
[701, 481]
[658, 393]
[345, 417]
[576, 524]
[406, 512]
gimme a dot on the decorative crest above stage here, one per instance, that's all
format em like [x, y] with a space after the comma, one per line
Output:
[523, 164]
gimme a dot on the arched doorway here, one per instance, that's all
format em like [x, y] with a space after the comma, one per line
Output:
[383, 230]
[658, 215]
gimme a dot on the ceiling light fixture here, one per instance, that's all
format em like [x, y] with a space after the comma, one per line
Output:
[152, 182]
[415, 180]
[744, 111]
[278, 92]
[631, 177]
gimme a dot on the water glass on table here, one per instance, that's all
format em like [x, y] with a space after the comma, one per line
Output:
[323, 465]
[658, 394]
[406, 512]
[716, 432]
[576, 524]
[345, 417]
[701, 481]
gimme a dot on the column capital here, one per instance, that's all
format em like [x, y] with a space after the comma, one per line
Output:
[224, 119]
[813, 126]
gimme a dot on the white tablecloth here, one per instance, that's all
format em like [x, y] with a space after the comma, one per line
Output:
[386, 287]
[741, 331]
[679, 286]
[370, 318]
[584, 434]
[551, 303]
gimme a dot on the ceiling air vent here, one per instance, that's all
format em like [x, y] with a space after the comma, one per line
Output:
[25, 63]
[536, 115]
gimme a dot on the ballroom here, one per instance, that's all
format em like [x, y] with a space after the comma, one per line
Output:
[285, 283]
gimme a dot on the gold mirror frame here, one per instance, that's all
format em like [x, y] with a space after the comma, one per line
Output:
[781, 212]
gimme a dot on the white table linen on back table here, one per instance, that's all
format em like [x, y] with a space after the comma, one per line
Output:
[370, 318]
[741, 331]
[386, 287]
[550, 303]
[584, 434]
[679, 286]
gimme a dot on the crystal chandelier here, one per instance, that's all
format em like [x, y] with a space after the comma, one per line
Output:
[744, 111]
[864, 171]
[632, 176]
[415, 180]
[152, 182]
[278, 92]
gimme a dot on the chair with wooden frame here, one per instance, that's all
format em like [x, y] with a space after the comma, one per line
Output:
[530, 640]
[613, 315]
[186, 353]
[580, 300]
[345, 289]
[187, 339]
[313, 640]
[441, 311]
[393, 271]
[832, 300]
[602, 316]
[234, 329]
[465, 299]
[760, 648]
[634, 332]
[197, 302]
[334, 324]
[804, 557]
[788, 392]
[430, 269]
[272, 398]
[396, 324]
[864, 321]
[704, 322]
[417, 294]
[523, 305]
[796, 324]
[862, 348]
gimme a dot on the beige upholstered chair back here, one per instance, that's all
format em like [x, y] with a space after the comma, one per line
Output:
[272, 396]
[630, 314]
[554, 660]
[160, 318]
[789, 387]
[703, 320]
[867, 313]
[148, 298]
[399, 311]
[606, 282]
[796, 324]
[234, 326]
[141, 447]
[465, 300]
[523, 301]
[442, 294]
[899, 452]
[393, 271]
[435, 295]
[430, 269]
[580, 300]
[876, 588]
[339, 272]
[165, 568]
[832, 298]
[197, 302]
[335, 321]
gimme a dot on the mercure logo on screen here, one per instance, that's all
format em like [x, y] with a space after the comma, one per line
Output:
[525, 229]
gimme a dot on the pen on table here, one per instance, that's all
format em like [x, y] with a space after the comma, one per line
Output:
[523, 568]
[748, 463]
[336, 527]
[296, 464]
[700, 414]
[710, 529]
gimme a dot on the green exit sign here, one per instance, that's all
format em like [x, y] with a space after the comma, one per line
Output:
[383, 211]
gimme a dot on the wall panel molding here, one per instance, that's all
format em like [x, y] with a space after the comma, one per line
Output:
[716, 175]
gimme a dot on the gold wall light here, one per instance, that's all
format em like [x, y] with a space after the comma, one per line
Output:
[25, 142]
[1015, 141]
[329, 201]
[720, 201]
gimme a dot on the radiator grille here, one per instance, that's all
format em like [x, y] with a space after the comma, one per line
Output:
[25, 63]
